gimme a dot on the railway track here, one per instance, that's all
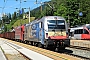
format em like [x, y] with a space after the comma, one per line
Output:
[81, 52]
[76, 51]
[48, 53]
[82, 48]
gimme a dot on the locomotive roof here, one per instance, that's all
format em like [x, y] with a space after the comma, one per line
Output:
[53, 17]
[45, 17]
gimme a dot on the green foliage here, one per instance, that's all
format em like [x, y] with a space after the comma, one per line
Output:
[14, 16]
[69, 9]
[61, 11]
[9, 16]
[66, 8]
[22, 21]
[5, 28]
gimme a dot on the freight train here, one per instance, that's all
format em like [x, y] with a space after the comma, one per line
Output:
[49, 31]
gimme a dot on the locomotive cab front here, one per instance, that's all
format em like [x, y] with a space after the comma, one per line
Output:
[57, 32]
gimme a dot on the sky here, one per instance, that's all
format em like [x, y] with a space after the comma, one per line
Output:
[9, 6]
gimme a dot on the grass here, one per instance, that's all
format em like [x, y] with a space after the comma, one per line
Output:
[15, 23]
[22, 21]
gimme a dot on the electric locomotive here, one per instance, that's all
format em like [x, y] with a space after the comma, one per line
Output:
[49, 31]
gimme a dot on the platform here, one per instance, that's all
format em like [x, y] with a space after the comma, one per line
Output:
[81, 43]
[2, 56]
[28, 53]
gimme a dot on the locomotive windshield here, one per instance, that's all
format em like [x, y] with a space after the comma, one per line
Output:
[56, 24]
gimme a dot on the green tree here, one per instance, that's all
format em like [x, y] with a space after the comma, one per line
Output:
[9, 16]
[14, 15]
[5, 28]
[61, 11]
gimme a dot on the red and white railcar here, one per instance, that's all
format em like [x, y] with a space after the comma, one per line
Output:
[81, 32]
